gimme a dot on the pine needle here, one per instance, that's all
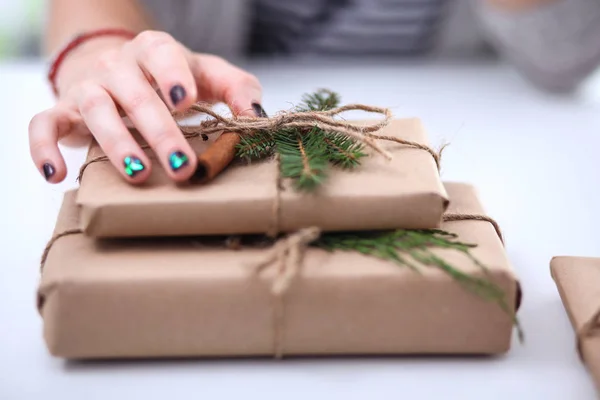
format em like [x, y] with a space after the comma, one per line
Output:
[256, 146]
[306, 156]
[302, 158]
[343, 150]
[321, 100]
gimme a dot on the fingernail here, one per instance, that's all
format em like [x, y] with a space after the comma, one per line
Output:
[259, 111]
[177, 94]
[133, 165]
[178, 160]
[48, 171]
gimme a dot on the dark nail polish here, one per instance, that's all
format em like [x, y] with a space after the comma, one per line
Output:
[177, 94]
[48, 171]
[259, 111]
[133, 165]
[178, 160]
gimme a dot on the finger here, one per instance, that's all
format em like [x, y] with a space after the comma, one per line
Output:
[218, 80]
[102, 118]
[128, 86]
[45, 130]
[164, 59]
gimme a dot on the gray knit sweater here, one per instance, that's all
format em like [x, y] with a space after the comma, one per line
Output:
[555, 45]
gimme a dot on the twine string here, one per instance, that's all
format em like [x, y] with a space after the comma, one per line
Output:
[51, 242]
[325, 120]
[449, 217]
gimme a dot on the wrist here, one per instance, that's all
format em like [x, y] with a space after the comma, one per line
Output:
[94, 47]
[75, 57]
[75, 67]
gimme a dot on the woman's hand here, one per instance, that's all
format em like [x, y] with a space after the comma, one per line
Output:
[99, 81]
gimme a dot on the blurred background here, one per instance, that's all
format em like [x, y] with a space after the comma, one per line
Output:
[20, 27]
[22, 21]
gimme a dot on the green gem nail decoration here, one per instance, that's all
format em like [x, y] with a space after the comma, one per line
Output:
[178, 160]
[133, 165]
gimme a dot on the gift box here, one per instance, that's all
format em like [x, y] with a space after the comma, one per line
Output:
[405, 192]
[578, 283]
[194, 297]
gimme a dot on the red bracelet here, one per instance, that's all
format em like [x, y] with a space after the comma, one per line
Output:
[78, 41]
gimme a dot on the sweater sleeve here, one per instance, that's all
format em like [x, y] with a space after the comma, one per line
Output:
[556, 45]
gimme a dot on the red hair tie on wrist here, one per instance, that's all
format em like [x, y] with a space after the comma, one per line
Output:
[78, 41]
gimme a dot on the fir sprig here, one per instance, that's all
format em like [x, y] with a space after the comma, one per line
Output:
[306, 155]
[321, 100]
[408, 248]
[343, 151]
[256, 146]
[303, 157]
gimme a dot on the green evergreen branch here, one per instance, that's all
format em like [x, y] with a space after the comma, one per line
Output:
[399, 245]
[305, 156]
[343, 150]
[256, 146]
[321, 100]
[302, 158]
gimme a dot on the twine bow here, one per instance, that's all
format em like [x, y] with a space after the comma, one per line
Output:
[325, 120]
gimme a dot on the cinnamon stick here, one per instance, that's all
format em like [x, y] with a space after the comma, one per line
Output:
[218, 156]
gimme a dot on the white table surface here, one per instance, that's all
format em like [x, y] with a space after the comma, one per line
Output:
[533, 157]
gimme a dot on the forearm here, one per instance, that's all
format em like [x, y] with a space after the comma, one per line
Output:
[556, 43]
[67, 18]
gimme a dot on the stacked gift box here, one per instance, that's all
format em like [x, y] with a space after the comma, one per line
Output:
[170, 270]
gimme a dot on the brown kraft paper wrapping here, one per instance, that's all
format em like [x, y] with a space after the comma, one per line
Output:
[578, 283]
[405, 192]
[172, 297]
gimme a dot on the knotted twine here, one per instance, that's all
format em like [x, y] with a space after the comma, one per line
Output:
[325, 120]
